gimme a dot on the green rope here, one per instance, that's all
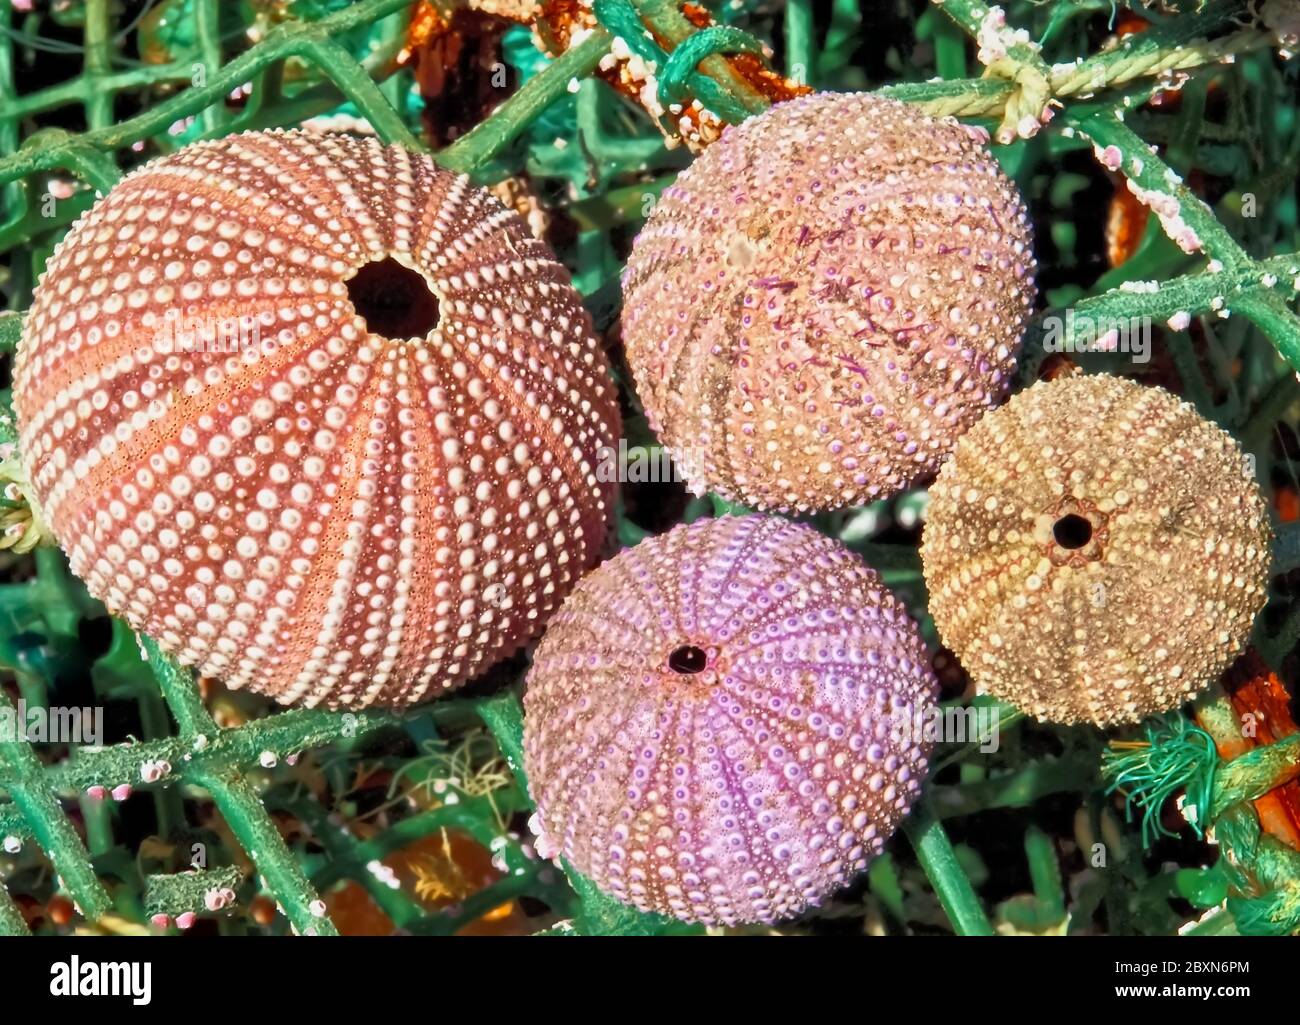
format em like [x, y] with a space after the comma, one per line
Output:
[12, 922]
[285, 40]
[682, 61]
[190, 892]
[33, 796]
[935, 852]
[800, 44]
[1175, 756]
[621, 18]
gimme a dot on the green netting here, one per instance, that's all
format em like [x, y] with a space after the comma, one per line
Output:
[329, 53]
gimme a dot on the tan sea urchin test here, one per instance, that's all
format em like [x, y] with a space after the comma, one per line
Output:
[318, 415]
[726, 722]
[1095, 551]
[822, 303]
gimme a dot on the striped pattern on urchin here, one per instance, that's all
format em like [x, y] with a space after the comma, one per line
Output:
[825, 299]
[318, 415]
[1095, 551]
[721, 723]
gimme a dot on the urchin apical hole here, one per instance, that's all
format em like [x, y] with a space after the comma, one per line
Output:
[687, 659]
[394, 301]
[1072, 531]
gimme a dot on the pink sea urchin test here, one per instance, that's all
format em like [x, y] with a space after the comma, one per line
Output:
[825, 300]
[319, 416]
[719, 721]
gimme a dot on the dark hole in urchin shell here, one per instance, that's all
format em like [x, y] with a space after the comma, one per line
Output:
[1072, 531]
[393, 300]
[687, 659]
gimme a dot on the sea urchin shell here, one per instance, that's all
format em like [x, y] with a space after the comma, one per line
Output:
[319, 416]
[821, 304]
[719, 721]
[1095, 551]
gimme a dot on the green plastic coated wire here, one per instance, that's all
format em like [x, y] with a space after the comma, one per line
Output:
[1175, 756]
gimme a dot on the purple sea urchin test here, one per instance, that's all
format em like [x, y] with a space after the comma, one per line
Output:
[825, 300]
[718, 721]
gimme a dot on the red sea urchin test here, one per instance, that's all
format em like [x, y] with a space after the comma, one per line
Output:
[825, 300]
[718, 722]
[317, 415]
